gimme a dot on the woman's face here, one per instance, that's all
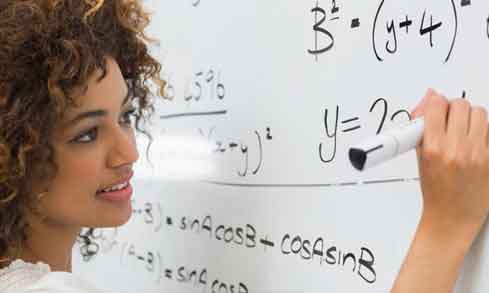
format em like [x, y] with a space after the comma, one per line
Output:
[94, 148]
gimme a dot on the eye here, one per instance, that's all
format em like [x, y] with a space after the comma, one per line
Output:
[90, 134]
[127, 116]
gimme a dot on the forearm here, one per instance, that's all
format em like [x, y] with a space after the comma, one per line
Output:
[453, 165]
[434, 259]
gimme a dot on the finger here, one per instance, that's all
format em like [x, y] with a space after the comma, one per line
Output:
[419, 112]
[487, 136]
[435, 115]
[478, 126]
[419, 157]
[458, 120]
[419, 109]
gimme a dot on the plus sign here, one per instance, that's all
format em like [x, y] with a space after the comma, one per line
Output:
[406, 24]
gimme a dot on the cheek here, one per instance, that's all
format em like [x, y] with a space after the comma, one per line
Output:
[66, 205]
[81, 172]
[72, 192]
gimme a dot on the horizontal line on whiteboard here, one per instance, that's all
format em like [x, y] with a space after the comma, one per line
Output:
[387, 181]
[306, 185]
[189, 114]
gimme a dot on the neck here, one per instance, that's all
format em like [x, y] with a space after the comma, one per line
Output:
[50, 243]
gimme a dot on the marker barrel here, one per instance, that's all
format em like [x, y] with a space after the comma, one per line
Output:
[386, 146]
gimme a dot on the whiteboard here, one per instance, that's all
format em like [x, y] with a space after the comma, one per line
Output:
[249, 188]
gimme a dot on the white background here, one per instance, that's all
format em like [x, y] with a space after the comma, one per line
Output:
[258, 50]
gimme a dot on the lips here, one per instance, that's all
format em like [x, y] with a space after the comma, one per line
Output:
[117, 196]
[122, 180]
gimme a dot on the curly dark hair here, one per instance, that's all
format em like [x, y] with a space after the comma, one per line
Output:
[48, 50]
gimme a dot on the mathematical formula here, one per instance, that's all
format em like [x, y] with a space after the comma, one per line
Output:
[318, 250]
[386, 38]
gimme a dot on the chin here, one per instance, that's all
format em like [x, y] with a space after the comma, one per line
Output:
[115, 217]
[113, 223]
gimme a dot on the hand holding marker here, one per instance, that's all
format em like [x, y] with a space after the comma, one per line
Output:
[386, 146]
[453, 162]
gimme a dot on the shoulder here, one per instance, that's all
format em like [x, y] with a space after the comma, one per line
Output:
[22, 277]
[61, 282]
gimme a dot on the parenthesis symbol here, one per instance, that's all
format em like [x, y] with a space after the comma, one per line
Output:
[374, 30]
[455, 32]
[160, 267]
[158, 227]
[261, 153]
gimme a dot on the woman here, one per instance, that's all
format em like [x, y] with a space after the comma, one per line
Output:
[71, 72]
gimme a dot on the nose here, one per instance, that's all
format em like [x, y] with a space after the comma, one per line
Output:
[123, 149]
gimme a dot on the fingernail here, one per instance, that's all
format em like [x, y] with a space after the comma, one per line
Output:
[416, 114]
[418, 110]
[430, 92]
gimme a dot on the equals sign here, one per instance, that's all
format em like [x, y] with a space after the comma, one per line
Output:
[349, 121]
[168, 273]
[355, 23]
[466, 3]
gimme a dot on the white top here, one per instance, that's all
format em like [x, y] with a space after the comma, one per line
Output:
[24, 277]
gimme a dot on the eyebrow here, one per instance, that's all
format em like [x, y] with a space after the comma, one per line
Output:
[93, 113]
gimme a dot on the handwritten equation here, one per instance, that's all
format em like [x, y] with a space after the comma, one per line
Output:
[361, 262]
[335, 124]
[241, 148]
[387, 28]
[205, 86]
[134, 256]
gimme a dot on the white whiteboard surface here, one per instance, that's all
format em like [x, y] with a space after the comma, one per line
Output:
[252, 149]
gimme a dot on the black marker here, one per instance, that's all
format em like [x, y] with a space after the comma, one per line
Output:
[386, 146]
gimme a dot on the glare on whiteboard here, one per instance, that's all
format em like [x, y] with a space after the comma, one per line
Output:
[176, 158]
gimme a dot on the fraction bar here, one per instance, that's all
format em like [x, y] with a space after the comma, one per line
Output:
[188, 114]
